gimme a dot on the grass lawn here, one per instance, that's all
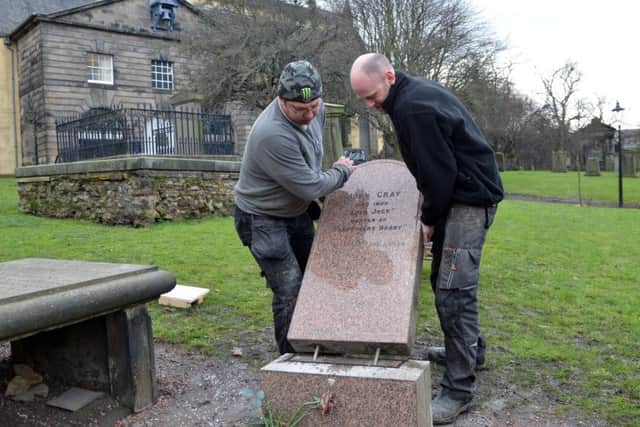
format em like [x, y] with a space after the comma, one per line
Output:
[560, 300]
[602, 188]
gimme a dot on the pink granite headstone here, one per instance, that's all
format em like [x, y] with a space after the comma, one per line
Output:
[360, 288]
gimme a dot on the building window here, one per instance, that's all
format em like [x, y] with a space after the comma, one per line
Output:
[161, 74]
[100, 68]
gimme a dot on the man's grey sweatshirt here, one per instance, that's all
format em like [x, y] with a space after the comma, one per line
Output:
[281, 166]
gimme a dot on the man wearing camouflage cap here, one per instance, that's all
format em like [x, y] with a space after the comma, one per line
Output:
[279, 178]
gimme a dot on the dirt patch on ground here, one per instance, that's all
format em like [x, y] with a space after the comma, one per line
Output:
[194, 390]
[197, 390]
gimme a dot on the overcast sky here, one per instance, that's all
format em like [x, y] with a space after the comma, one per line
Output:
[603, 37]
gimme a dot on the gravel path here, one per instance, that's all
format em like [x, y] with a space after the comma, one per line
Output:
[196, 390]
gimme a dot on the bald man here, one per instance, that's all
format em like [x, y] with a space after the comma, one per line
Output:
[456, 172]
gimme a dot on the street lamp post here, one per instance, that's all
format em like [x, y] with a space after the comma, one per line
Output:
[618, 109]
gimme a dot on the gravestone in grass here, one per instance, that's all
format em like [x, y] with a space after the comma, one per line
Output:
[610, 162]
[593, 167]
[500, 161]
[629, 163]
[559, 161]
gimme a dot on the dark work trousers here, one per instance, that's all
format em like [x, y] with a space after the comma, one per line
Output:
[281, 247]
[457, 246]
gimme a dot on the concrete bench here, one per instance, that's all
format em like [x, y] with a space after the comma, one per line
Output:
[84, 323]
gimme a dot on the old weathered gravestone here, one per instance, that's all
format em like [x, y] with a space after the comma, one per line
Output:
[559, 161]
[500, 161]
[360, 287]
[359, 295]
[610, 162]
[629, 164]
[593, 167]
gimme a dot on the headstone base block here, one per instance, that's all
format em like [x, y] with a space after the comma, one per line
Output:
[393, 393]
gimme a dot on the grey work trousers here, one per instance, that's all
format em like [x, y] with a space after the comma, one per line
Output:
[281, 247]
[457, 247]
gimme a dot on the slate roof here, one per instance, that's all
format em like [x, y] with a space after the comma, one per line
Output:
[13, 13]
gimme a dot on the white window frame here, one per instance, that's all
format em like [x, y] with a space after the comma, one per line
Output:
[100, 65]
[162, 75]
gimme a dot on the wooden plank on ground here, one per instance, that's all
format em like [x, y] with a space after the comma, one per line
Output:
[183, 296]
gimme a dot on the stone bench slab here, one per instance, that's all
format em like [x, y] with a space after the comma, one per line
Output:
[42, 294]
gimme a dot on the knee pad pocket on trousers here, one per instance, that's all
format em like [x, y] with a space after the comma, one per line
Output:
[459, 268]
[283, 275]
[449, 308]
[453, 311]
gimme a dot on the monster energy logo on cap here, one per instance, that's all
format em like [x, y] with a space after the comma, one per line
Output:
[300, 81]
[305, 92]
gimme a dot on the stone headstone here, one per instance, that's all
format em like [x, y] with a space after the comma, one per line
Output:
[610, 162]
[360, 288]
[332, 134]
[593, 167]
[500, 160]
[559, 161]
[629, 164]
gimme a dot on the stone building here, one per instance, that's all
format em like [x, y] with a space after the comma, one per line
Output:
[84, 56]
[64, 58]
[596, 140]
[13, 14]
[631, 139]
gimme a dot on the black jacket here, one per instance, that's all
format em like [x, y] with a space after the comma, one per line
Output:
[442, 146]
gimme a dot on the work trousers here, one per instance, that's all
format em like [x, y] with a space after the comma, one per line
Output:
[457, 247]
[281, 247]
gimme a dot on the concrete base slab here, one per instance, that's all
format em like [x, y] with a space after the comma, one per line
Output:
[347, 392]
[75, 398]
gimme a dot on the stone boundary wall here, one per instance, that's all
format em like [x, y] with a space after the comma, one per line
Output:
[135, 191]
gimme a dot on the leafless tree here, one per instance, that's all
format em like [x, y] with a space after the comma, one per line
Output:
[513, 123]
[248, 42]
[534, 138]
[442, 40]
[601, 106]
[560, 89]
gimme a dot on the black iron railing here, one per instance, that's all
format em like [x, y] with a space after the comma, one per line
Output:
[110, 132]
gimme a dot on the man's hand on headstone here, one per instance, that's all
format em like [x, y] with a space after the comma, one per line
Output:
[346, 162]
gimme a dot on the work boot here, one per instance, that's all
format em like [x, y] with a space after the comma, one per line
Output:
[439, 355]
[445, 410]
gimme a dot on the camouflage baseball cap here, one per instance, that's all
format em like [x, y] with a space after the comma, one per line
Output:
[300, 81]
